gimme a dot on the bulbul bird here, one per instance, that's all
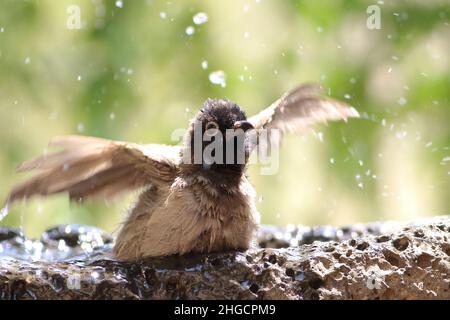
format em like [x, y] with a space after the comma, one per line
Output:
[184, 205]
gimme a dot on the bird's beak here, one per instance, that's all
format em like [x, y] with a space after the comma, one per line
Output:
[244, 125]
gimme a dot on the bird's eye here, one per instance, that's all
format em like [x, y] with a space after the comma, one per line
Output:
[211, 128]
[212, 125]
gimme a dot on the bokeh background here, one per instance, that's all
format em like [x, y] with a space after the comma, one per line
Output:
[137, 70]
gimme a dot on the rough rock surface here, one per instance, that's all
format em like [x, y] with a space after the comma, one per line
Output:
[362, 262]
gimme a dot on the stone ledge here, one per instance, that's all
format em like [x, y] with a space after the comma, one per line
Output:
[410, 263]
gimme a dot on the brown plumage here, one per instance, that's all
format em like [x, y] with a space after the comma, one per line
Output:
[183, 207]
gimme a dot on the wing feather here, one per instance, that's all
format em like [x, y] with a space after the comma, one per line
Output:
[298, 111]
[93, 168]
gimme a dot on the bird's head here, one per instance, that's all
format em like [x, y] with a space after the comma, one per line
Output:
[217, 141]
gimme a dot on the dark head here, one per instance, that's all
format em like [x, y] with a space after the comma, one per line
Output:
[216, 143]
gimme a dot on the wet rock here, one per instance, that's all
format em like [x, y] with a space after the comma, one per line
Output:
[355, 262]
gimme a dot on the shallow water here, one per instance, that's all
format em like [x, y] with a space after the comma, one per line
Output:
[84, 243]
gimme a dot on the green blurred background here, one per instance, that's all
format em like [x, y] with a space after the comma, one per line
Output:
[135, 71]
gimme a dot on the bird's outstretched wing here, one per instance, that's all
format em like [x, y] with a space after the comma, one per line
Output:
[94, 168]
[298, 110]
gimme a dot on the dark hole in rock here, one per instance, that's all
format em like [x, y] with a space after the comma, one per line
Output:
[424, 260]
[392, 258]
[272, 259]
[316, 283]
[362, 246]
[446, 248]
[254, 288]
[290, 272]
[353, 242]
[215, 262]
[336, 255]
[401, 243]
[349, 253]
[58, 282]
[381, 239]
[419, 233]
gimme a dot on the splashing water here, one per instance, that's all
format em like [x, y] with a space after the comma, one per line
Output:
[218, 77]
[200, 18]
[190, 30]
[4, 212]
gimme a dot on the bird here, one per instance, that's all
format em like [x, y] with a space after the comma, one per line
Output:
[186, 203]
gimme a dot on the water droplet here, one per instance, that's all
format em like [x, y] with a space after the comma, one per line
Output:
[4, 212]
[332, 160]
[347, 96]
[86, 247]
[246, 34]
[27, 60]
[190, 30]
[320, 136]
[319, 29]
[361, 163]
[260, 198]
[80, 127]
[218, 77]
[79, 78]
[2, 29]
[204, 64]
[443, 161]
[383, 122]
[112, 116]
[62, 245]
[162, 15]
[119, 4]
[29, 245]
[200, 18]
[246, 8]
[401, 134]
[402, 101]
